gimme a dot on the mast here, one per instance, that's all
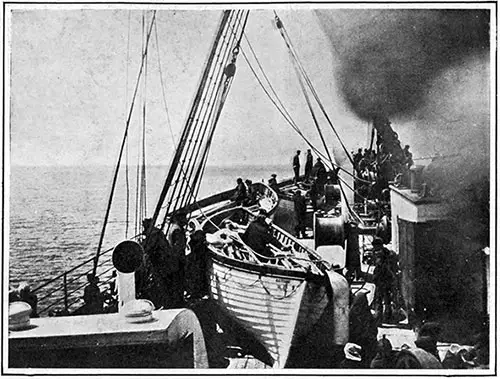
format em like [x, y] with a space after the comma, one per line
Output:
[184, 176]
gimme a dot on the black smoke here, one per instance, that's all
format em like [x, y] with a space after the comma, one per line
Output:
[389, 60]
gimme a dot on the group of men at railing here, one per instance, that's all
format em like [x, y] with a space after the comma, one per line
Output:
[390, 163]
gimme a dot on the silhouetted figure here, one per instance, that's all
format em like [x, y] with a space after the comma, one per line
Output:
[240, 192]
[258, 235]
[251, 194]
[313, 195]
[357, 158]
[25, 295]
[296, 167]
[155, 278]
[319, 174]
[196, 266]
[92, 296]
[408, 160]
[273, 183]
[177, 239]
[300, 208]
[363, 328]
[384, 277]
[308, 166]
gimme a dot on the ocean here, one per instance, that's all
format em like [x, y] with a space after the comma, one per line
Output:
[57, 213]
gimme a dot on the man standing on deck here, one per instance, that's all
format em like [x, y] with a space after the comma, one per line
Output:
[296, 167]
[319, 174]
[240, 192]
[309, 166]
[300, 207]
[153, 280]
[384, 278]
[273, 183]
[177, 239]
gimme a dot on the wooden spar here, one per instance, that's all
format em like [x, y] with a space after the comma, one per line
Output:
[179, 180]
[183, 140]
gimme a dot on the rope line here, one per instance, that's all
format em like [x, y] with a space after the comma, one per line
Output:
[294, 54]
[122, 147]
[127, 182]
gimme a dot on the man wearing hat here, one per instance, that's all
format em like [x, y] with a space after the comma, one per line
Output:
[296, 167]
[309, 165]
[273, 183]
[300, 210]
[384, 278]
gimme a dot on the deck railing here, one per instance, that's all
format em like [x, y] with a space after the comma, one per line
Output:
[64, 292]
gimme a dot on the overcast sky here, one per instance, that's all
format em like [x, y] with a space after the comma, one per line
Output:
[71, 85]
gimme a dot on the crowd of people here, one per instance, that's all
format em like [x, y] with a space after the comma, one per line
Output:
[377, 170]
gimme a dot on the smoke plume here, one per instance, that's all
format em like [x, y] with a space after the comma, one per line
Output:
[389, 60]
[428, 71]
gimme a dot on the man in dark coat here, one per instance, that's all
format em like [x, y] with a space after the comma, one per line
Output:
[296, 167]
[177, 239]
[162, 277]
[319, 174]
[362, 331]
[300, 207]
[309, 165]
[273, 183]
[92, 296]
[251, 194]
[357, 158]
[384, 277]
[240, 192]
[257, 236]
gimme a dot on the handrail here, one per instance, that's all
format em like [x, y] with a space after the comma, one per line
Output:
[71, 281]
[76, 267]
[70, 270]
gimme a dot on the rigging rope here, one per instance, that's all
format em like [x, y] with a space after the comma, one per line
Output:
[283, 111]
[143, 167]
[127, 183]
[229, 72]
[286, 114]
[191, 155]
[115, 176]
[293, 52]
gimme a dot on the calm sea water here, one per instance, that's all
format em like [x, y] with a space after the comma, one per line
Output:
[57, 213]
